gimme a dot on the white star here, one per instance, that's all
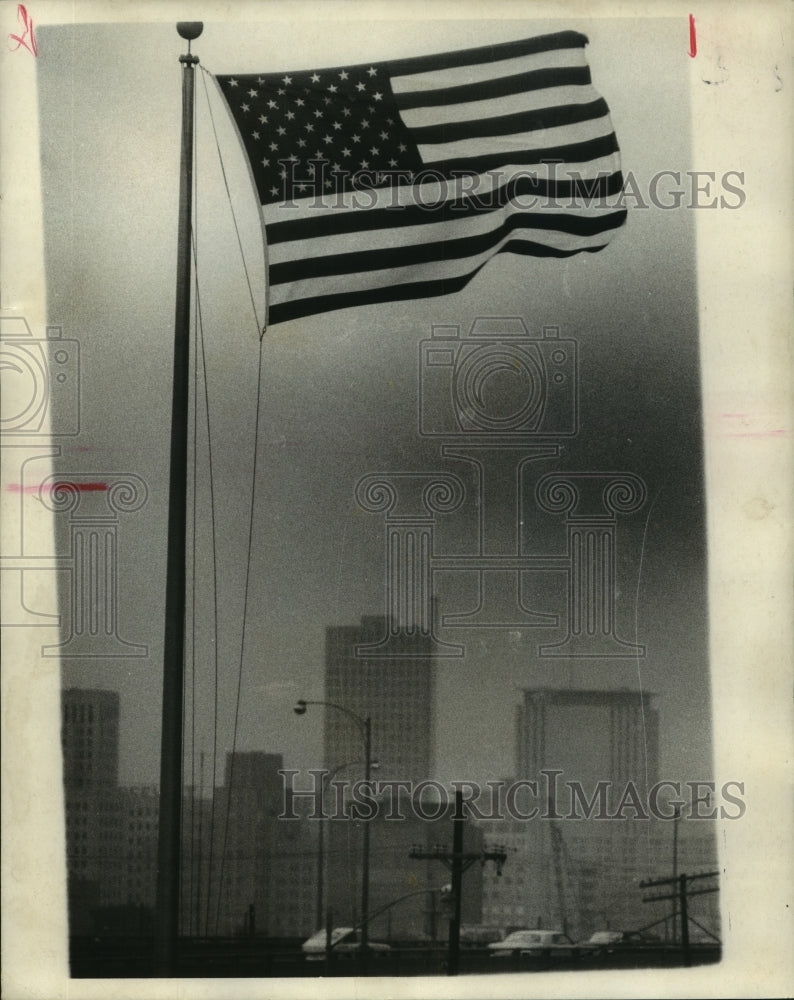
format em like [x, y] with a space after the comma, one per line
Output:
[245, 107]
[263, 119]
[343, 75]
[336, 126]
[299, 102]
[356, 138]
[377, 97]
[290, 115]
[254, 135]
[309, 127]
[301, 188]
[281, 91]
[360, 86]
[346, 112]
[327, 139]
[392, 163]
[365, 122]
[364, 164]
[274, 191]
[283, 173]
[319, 155]
[332, 88]
[252, 92]
[315, 78]
[335, 166]
[317, 113]
[326, 100]
[232, 82]
[402, 147]
[329, 184]
[272, 104]
[311, 170]
[301, 143]
[259, 80]
[346, 152]
[384, 135]
[281, 130]
[374, 150]
[265, 162]
[372, 71]
[273, 146]
[286, 80]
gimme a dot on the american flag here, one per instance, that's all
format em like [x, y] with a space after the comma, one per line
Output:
[399, 180]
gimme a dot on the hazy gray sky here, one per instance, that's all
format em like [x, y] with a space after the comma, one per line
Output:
[339, 391]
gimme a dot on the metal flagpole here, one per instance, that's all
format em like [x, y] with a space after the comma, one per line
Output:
[171, 746]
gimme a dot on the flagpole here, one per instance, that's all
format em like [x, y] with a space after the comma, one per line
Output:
[171, 742]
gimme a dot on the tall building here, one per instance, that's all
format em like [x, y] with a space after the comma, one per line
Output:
[90, 746]
[397, 693]
[589, 736]
[570, 866]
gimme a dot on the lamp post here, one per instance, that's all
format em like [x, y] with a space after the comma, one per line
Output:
[365, 728]
[321, 868]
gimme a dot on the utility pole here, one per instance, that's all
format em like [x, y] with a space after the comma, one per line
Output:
[679, 894]
[458, 861]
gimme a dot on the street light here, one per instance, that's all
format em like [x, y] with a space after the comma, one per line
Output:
[326, 780]
[365, 728]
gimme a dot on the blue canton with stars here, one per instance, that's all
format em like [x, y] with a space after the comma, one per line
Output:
[321, 132]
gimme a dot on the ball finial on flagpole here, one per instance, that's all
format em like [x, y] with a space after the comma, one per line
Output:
[190, 29]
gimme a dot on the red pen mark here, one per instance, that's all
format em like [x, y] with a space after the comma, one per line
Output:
[693, 38]
[27, 40]
[63, 484]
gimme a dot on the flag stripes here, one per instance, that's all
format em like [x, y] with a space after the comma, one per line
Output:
[402, 179]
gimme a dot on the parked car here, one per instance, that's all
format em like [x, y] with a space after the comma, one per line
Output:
[535, 943]
[607, 942]
[344, 940]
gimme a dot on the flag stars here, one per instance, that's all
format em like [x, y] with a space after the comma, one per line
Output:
[255, 135]
[299, 102]
[273, 146]
[274, 192]
[372, 71]
[336, 126]
[253, 93]
[377, 97]
[281, 91]
[317, 113]
[263, 119]
[347, 151]
[309, 127]
[281, 130]
[360, 86]
[364, 164]
[327, 139]
[343, 74]
[245, 107]
[286, 80]
[374, 150]
[315, 78]
[332, 88]
[272, 104]
[346, 112]
[301, 143]
[384, 136]
[232, 82]
[290, 116]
